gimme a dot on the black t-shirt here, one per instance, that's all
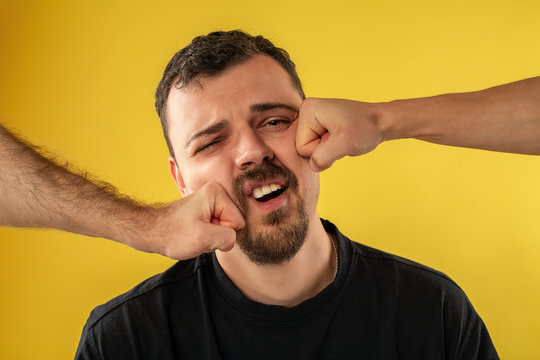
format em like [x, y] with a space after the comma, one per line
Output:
[380, 306]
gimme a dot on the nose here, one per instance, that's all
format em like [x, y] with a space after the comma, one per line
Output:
[252, 150]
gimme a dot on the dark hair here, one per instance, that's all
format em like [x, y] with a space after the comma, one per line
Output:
[211, 54]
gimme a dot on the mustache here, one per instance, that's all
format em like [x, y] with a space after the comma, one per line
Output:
[261, 173]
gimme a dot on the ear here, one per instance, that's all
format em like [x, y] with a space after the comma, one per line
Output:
[177, 177]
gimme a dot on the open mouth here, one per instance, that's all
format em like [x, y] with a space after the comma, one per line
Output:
[267, 192]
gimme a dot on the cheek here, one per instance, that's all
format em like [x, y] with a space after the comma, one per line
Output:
[286, 153]
[216, 170]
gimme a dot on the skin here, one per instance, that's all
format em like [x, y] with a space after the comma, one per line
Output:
[37, 192]
[503, 118]
[248, 139]
[40, 193]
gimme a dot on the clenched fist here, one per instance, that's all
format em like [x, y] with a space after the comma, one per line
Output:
[201, 222]
[329, 129]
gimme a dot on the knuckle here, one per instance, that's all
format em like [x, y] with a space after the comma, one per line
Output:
[241, 222]
[317, 162]
[306, 105]
[324, 161]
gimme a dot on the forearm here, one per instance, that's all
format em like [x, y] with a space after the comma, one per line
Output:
[503, 118]
[36, 192]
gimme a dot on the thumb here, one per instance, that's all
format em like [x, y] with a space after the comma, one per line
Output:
[327, 152]
[218, 208]
[226, 212]
[309, 131]
[307, 149]
[217, 237]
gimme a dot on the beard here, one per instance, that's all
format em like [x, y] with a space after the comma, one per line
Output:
[277, 236]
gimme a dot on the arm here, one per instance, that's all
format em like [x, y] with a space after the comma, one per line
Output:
[503, 118]
[37, 192]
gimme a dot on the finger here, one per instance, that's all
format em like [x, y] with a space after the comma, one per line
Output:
[329, 150]
[227, 247]
[306, 150]
[308, 132]
[226, 211]
[217, 237]
[308, 136]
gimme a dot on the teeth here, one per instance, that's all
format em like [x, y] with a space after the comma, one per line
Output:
[260, 191]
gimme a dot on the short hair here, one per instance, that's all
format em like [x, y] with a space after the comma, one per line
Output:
[211, 54]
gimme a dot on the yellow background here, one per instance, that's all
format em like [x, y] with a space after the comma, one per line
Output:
[79, 77]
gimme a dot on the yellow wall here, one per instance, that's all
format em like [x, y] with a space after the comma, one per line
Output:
[79, 79]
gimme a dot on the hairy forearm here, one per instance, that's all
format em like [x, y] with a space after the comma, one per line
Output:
[35, 191]
[38, 192]
[503, 118]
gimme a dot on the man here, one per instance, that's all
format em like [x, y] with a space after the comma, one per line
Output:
[38, 192]
[292, 286]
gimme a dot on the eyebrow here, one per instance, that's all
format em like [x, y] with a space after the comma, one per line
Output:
[261, 107]
[212, 129]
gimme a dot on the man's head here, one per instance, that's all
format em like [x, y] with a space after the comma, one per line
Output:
[228, 104]
[210, 55]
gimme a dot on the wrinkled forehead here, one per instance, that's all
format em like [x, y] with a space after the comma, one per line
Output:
[227, 96]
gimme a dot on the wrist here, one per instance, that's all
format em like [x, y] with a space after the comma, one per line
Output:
[387, 120]
[404, 119]
[138, 226]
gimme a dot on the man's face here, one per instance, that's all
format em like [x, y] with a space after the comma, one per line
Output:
[238, 129]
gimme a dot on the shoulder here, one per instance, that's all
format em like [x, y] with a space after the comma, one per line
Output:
[410, 284]
[145, 312]
[383, 269]
[410, 295]
[403, 267]
[177, 276]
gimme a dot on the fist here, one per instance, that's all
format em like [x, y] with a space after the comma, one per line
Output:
[329, 129]
[201, 222]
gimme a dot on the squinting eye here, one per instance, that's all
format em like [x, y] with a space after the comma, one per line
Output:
[277, 122]
[207, 146]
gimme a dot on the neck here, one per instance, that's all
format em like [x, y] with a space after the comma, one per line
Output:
[309, 271]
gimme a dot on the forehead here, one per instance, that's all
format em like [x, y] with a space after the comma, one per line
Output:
[228, 96]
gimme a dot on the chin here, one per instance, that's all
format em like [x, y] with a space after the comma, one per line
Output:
[276, 237]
